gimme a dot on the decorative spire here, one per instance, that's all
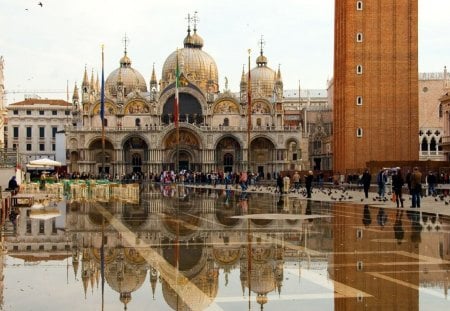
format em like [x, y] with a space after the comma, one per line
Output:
[193, 41]
[153, 78]
[195, 19]
[75, 96]
[85, 82]
[243, 76]
[92, 84]
[446, 80]
[279, 73]
[97, 84]
[261, 60]
[125, 61]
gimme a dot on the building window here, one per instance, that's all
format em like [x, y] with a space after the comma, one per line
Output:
[41, 132]
[41, 112]
[41, 227]
[53, 147]
[15, 112]
[54, 130]
[54, 112]
[137, 122]
[441, 113]
[105, 122]
[359, 69]
[29, 132]
[41, 147]
[359, 5]
[28, 112]
[359, 132]
[226, 122]
[359, 100]
[28, 147]
[67, 112]
[14, 146]
[359, 37]
[15, 132]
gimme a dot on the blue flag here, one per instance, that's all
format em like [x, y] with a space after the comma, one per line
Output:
[102, 93]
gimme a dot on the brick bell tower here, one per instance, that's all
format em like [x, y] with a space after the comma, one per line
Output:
[375, 82]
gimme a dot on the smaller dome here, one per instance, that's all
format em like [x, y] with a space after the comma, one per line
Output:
[125, 61]
[197, 41]
[188, 42]
[261, 60]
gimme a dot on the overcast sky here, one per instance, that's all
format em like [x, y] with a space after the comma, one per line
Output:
[44, 47]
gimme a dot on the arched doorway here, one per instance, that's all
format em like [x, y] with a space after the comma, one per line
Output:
[261, 155]
[185, 148]
[228, 154]
[135, 154]
[102, 159]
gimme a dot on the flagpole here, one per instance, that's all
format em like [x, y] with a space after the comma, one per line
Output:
[102, 113]
[176, 116]
[249, 111]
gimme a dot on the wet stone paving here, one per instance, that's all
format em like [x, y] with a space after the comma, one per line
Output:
[173, 247]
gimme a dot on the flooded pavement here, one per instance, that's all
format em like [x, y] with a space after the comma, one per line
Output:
[178, 248]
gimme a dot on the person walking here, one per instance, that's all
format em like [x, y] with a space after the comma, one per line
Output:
[365, 181]
[296, 180]
[280, 183]
[416, 187]
[431, 180]
[381, 180]
[397, 185]
[243, 180]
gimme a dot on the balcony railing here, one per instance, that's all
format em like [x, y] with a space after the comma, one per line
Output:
[209, 128]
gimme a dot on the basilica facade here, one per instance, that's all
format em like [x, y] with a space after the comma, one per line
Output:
[215, 130]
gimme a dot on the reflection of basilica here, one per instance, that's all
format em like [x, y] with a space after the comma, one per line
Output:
[139, 119]
[183, 241]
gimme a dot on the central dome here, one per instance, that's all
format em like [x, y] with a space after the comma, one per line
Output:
[197, 66]
[262, 78]
[128, 76]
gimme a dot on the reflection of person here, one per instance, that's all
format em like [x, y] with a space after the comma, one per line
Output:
[416, 227]
[308, 183]
[381, 217]
[367, 219]
[399, 233]
[308, 210]
[13, 216]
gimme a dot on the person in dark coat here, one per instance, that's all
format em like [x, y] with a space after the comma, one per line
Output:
[280, 183]
[365, 181]
[13, 185]
[308, 182]
[397, 185]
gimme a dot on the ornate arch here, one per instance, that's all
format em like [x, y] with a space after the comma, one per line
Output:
[110, 108]
[136, 106]
[226, 105]
[170, 130]
[262, 106]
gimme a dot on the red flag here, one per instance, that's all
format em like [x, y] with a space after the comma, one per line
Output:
[176, 103]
